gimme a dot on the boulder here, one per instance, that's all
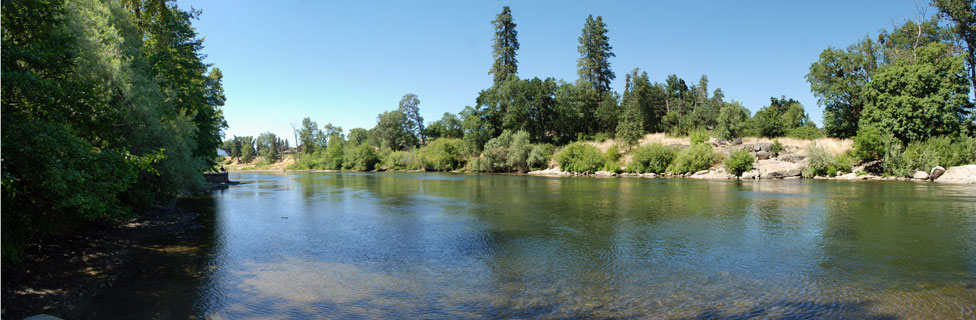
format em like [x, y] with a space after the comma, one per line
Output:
[870, 167]
[720, 142]
[763, 155]
[790, 157]
[762, 146]
[959, 175]
[605, 174]
[771, 169]
[849, 176]
[936, 172]
[737, 141]
[920, 175]
[715, 174]
[751, 174]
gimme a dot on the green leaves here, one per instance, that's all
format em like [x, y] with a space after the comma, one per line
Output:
[594, 48]
[504, 47]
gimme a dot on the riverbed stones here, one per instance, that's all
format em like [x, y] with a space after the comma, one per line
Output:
[936, 172]
[751, 174]
[920, 175]
[959, 175]
[763, 155]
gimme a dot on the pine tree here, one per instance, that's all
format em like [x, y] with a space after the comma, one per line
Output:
[594, 49]
[630, 125]
[504, 47]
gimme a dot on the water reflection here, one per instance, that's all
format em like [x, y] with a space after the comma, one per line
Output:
[412, 245]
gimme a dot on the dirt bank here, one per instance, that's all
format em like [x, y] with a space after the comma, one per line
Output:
[62, 275]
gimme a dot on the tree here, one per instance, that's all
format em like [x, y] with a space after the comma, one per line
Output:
[504, 46]
[358, 136]
[247, 149]
[449, 126]
[963, 15]
[732, 119]
[267, 146]
[307, 135]
[631, 125]
[838, 80]
[594, 48]
[916, 100]
[410, 106]
[394, 130]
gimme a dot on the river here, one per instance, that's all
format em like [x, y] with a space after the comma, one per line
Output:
[434, 245]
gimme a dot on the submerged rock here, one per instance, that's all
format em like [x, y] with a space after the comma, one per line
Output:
[959, 175]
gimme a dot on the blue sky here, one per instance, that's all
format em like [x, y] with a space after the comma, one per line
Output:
[346, 62]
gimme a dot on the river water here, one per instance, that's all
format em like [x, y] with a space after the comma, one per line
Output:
[432, 245]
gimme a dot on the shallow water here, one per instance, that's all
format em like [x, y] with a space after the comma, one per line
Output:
[425, 245]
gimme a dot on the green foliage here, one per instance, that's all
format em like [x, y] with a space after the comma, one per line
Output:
[267, 147]
[869, 144]
[504, 46]
[580, 157]
[449, 126]
[401, 160]
[247, 151]
[631, 124]
[410, 107]
[653, 158]
[739, 161]
[540, 155]
[776, 147]
[915, 99]
[360, 158]
[838, 79]
[732, 120]
[693, 159]
[595, 53]
[822, 163]
[699, 136]
[395, 130]
[443, 154]
[805, 132]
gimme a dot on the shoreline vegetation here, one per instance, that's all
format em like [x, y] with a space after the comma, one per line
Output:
[896, 107]
[789, 161]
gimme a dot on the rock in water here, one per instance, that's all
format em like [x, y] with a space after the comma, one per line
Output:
[920, 175]
[959, 175]
[770, 169]
[936, 172]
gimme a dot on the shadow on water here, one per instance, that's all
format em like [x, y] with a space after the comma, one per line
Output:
[165, 274]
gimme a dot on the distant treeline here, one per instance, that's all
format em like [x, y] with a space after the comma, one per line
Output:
[908, 86]
[108, 109]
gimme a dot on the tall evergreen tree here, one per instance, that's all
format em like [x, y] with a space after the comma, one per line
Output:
[594, 48]
[630, 125]
[504, 47]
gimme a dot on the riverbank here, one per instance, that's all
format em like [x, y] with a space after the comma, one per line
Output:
[62, 276]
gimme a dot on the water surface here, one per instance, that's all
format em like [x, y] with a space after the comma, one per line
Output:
[426, 245]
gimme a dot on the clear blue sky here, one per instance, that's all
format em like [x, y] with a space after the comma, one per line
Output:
[346, 62]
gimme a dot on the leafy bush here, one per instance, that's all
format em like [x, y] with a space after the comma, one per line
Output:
[699, 136]
[739, 161]
[579, 157]
[540, 155]
[517, 158]
[443, 154]
[693, 159]
[805, 132]
[613, 153]
[654, 158]
[333, 157]
[400, 160]
[920, 156]
[309, 162]
[894, 161]
[869, 144]
[361, 158]
[247, 153]
[776, 148]
[822, 163]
